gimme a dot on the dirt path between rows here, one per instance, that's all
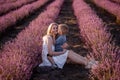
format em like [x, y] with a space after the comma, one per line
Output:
[70, 71]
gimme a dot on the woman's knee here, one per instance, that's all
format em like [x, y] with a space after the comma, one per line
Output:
[70, 53]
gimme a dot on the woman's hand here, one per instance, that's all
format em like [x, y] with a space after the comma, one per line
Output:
[64, 50]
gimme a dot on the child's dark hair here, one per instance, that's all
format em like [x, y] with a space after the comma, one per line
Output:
[64, 28]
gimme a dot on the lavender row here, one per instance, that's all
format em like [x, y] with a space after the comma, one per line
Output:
[11, 18]
[20, 56]
[6, 1]
[10, 6]
[94, 33]
[110, 7]
[117, 1]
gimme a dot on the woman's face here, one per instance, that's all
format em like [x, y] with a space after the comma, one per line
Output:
[54, 29]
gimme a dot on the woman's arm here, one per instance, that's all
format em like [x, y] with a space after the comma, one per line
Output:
[50, 51]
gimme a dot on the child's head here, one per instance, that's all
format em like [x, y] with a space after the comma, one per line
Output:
[63, 29]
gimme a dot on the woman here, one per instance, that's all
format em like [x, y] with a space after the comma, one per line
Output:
[61, 57]
[60, 42]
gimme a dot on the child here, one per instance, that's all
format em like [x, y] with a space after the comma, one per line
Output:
[60, 42]
[62, 31]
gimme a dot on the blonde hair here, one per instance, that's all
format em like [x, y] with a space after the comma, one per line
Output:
[50, 27]
[64, 28]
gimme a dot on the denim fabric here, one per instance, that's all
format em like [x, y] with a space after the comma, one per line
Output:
[59, 42]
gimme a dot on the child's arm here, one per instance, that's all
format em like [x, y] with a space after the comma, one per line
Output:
[66, 46]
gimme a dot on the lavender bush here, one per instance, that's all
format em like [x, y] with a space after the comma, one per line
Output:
[20, 56]
[110, 7]
[6, 1]
[117, 1]
[94, 33]
[10, 6]
[13, 17]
